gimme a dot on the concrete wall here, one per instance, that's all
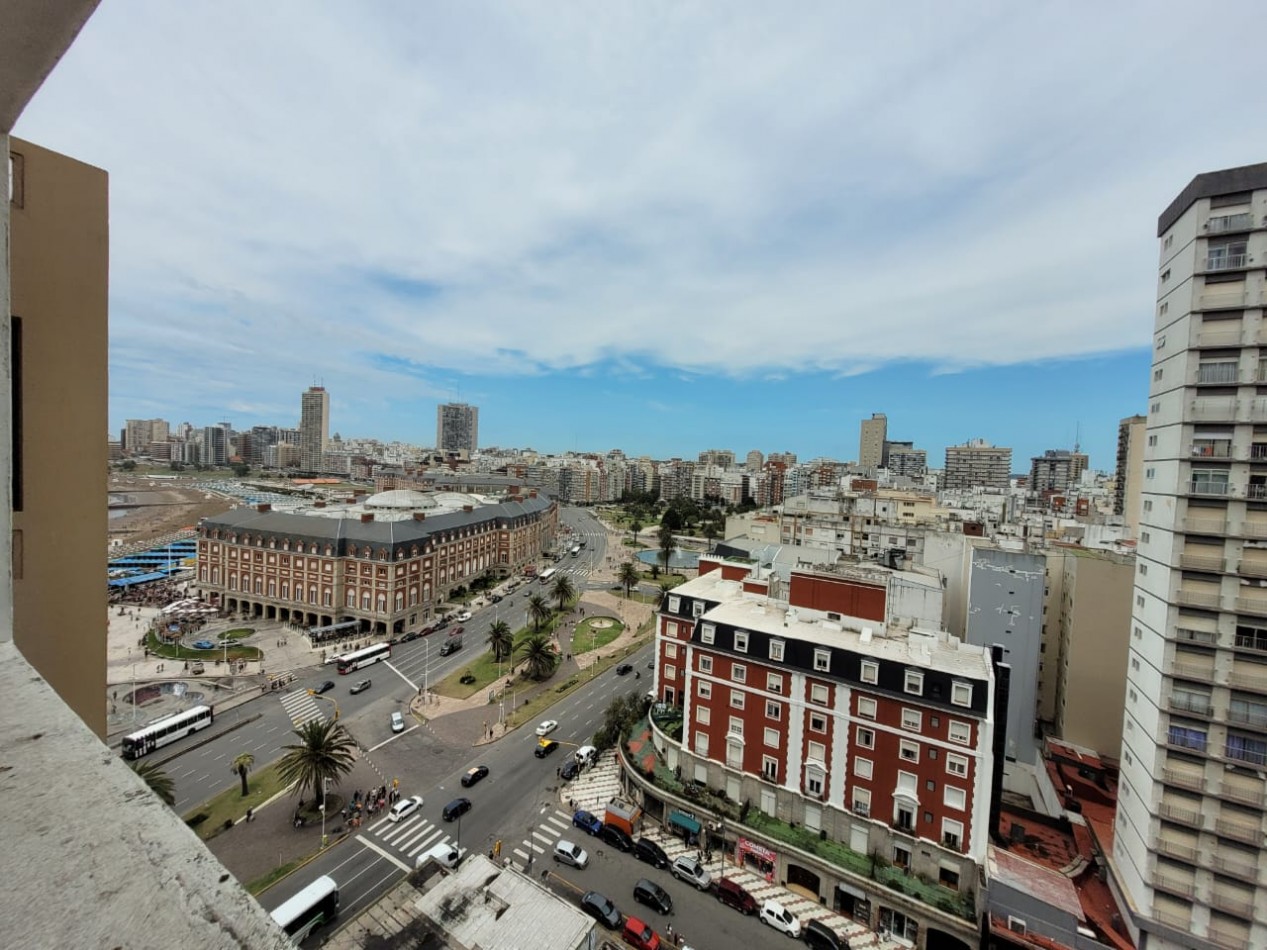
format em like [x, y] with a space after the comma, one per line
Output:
[59, 270]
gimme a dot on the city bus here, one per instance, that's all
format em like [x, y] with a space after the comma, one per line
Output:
[547, 575]
[359, 658]
[316, 904]
[169, 729]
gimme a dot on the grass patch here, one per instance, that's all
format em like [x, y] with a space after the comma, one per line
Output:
[237, 634]
[175, 651]
[586, 638]
[230, 805]
[533, 708]
[485, 668]
[261, 884]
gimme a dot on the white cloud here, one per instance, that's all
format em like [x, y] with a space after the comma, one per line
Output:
[750, 193]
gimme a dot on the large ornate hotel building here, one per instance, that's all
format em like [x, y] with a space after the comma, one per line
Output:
[383, 563]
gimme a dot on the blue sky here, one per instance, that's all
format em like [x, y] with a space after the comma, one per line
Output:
[663, 227]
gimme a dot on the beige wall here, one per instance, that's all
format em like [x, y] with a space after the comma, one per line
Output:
[1095, 630]
[59, 269]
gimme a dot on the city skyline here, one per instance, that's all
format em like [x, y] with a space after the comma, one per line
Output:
[662, 232]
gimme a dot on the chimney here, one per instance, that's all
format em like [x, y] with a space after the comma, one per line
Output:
[264, 506]
[420, 516]
[368, 516]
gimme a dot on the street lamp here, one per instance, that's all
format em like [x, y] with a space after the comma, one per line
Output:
[325, 790]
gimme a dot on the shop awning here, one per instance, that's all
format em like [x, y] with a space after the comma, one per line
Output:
[684, 822]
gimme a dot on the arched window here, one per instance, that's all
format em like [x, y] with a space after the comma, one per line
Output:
[365, 600]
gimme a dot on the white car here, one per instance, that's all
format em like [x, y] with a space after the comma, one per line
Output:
[687, 868]
[404, 808]
[780, 918]
[463, 617]
[398, 722]
[565, 852]
[446, 855]
[547, 727]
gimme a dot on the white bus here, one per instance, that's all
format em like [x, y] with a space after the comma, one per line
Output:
[547, 575]
[144, 741]
[316, 904]
[359, 658]
[576, 550]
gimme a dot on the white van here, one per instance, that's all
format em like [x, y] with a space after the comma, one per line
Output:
[445, 855]
[585, 756]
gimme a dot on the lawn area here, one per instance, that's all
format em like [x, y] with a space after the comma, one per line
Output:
[535, 707]
[175, 651]
[587, 638]
[230, 804]
[237, 634]
[484, 668]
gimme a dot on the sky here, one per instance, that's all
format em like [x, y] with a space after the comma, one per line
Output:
[656, 226]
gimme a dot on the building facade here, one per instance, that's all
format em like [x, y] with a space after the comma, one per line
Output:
[1192, 810]
[457, 428]
[314, 428]
[976, 464]
[1130, 471]
[871, 440]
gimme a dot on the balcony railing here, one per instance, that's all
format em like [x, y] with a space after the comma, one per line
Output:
[1206, 526]
[1204, 487]
[1216, 409]
[1246, 796]
[1220, 262]
[1184, 887]
[1192, 671]
[1184, 779]
[1235, 866]
[1191, 704]
[1232, 903]
[1220, 337]
[1238, 831]
[1201, 562]
[1212, 450]
[1174, 849]
[1199, 637]
[1238, 753]
[1248, 679]
[1217, 374]
[1256, 491]
[1222, 937]
[1179, 740]
[1227, 223]
[1252, 529]
[1252, 569]
[1252, 605]
[1180, 813]
[1253, 716]
[1198, 598]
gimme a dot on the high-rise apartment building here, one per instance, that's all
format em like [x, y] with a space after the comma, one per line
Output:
[977, 464]
[871, 441]
[1054, 471]
[457, 428]
[1190, 826]
[1130, 470]
[905, 459]
[314, 428]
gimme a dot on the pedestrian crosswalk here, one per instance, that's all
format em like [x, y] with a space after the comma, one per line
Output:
[411, 837]
[542, 837]
[301, 707]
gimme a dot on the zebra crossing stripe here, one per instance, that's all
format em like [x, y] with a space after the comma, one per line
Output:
[544, 839]
[429, 840]
[522, 855]
[426, 828]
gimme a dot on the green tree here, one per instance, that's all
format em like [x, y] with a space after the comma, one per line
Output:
[128, 465]
[665, 587]
[621, 715]
[628, 575]
[500, 639]
[563, 591]
[241, 469]
[538, 610]
[160, 783]
[324, 753]
[240, 766]
[666, 544]
[635, 528]
[538, 657]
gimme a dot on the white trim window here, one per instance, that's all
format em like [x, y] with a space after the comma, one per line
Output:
[704, 689]
[818, 693]
[914, 683]
[862, 802]
[670, 671]
[670, 650]
[912, 719]
[773, 710]
[771, 738]
[675, 604]
[735, 727]
[961, 694]
[862, 767]
[816, 752]
[822, 660]
[952, 834]
[770, 768]
[705, 664]
[908, 750]
[774, 683]
[865, 738]
[776, 650]
[955, 798]
[736, 699]
[866, 707]
[817, 722]
[870, 671]
[703, 715]
[741, 641]
[739, 673]
[959, 732]
[956, 765]
[701, 744]
[707, 632]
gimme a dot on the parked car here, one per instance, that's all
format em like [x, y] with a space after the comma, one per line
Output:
[616, 838]
[547, 726]
[601, 909]
[653, 895]
[624, 669]
[688, 868]
[651, 664]
[446, 855]
[565, 852]
[780, 918]
[456, 809]
[474, 775]
[496, 598]
[585, 756]
[404, 808]
[398, 722]
[544, 748]
[570, 770]
[411, 635]
[732, 894]
[325, 687]
[647, 850]
[819, 936]
[359, 687]
[639, 935]
[587, 822]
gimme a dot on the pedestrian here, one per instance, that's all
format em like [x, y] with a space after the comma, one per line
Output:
[558, 772]
[670, 931]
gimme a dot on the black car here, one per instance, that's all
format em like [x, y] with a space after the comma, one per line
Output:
[624, 669]
[456, 808]
[496, 598]
[617, 838]
[411, 635]
[544, 748]
[601, 909]
[821, 937]
[653, 895]
[647, 850]
[360, 687]
[473, 775]
[570, 770]
[325, 687]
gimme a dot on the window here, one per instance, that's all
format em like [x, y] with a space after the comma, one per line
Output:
[813, 781]
[701, 744]
[670, 671]
[870, 671]
[670, 650]
[866, 708]
[741, 641]
[1157, 374]
[822, 660]
[770, 767]
[771, 738]
[908, 750]
[961, 694]
[914, 682]
[912, 719]
[957, 764]
[773, 710]
[776, 650]
[818, 694]
[952, 833]
[862, 802]
[704, 689]
[703, 715]
[955, 798]
[866, 738]
[739, 673]
[816, 752]
[736, 699]
[735, 727]
[1148, 504]
[706, 664]
[862, 767]
[697, 609]
[707, 632]
[960, 732]
[774, 682]
[817, 722]
[675, 604]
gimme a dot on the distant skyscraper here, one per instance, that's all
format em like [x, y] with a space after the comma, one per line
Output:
[977, 464]
[754, 461]
[871, 444]
[1054, 471]
[1130, 470]
[314, 428]
[457, 427]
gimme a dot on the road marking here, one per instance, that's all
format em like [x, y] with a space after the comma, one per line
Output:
[427, 842]
[414, 686]
[375, 848]
[393, 738]
[544, 839]
[522, 855]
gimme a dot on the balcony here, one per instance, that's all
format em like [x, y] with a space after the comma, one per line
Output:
[1246, 678]
[1252, 529]
[1181, 922]
[1186, 742]
[1202, 638]
[1218, 409]
[1212, 449]
[1213, 338]
[1175, 849]
[1183, 778]
[1236, 867]
[1238, 831]
[1230, 223]
[1200, 706]
[1174, 884]
[1228, 940]
[1215, 263]
[1180, 813]
[1202, 672]
[1198, 598]
[1245, 796]
[1211, 487]
[1201, 562]
[1217, 374]
[1252, 569]
[1255, 491]
[1256, 606]
[1241, 752]
[1208, 526]
[1254, 715]
[1233, 904]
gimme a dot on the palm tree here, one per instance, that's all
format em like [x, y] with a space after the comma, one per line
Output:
[628, 575]
[241, 765]
[324, 753]
[666, 545]
[500, 640]
[537, 656]
[160, 782]
[665, 587]
[563, 591]
[538, 610]
[636, 527]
